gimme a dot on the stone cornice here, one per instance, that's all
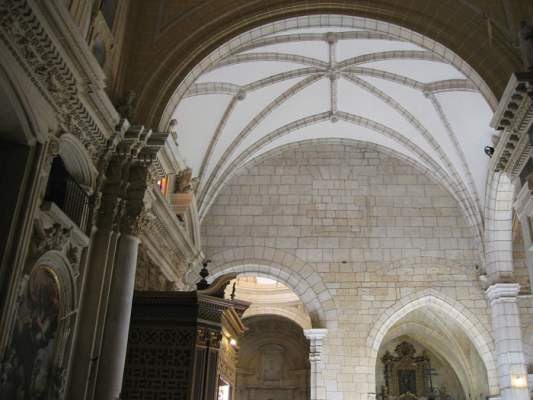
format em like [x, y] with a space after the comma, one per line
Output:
[502, 292]
[169, 241]
[514, 116]
[315, 334]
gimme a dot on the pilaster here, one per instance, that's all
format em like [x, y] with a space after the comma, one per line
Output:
[507, 335]
[523, 206]
[316, 340]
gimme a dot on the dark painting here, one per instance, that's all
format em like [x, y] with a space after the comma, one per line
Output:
[25, 372]
[407, 381]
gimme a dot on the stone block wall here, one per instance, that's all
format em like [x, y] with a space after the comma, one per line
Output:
[367, 234]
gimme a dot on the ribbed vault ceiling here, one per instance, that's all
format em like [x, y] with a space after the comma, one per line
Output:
[326, 77]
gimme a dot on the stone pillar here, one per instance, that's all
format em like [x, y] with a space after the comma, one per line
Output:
[115, 343]
[523, 206]
[316, 337]
[105, 219]
[511, 363]
[117, 321]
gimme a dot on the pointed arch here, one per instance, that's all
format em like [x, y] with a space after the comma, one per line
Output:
[476, 332]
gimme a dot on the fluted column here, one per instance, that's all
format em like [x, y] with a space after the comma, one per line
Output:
[316, 337]
[523, 206]
[511, 363]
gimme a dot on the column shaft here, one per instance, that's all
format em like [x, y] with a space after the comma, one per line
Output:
[92, 315]
[113, 355]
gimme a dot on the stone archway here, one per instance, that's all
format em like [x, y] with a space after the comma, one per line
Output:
[478, 334]
[283, 267]
[273, 360]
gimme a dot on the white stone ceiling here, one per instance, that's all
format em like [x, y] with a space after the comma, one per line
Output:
[336, 77]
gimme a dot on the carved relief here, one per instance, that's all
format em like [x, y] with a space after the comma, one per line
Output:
[54, 237]
[38, 56]
[272, 357]
[148, 275]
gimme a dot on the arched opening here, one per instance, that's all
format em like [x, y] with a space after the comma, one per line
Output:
[455, 344]
[281, 267]
[273, 353]
[273, 360]
[268, 297]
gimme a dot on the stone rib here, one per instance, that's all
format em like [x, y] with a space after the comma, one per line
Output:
[214, 139]
[411, 119]
[391, 55]
[254, 123]
[266, 56]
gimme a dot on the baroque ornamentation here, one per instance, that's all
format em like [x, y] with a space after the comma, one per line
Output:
[22, 32]
[52, 238]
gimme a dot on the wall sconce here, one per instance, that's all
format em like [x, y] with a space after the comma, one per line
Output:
[518, 381]
[233, 342]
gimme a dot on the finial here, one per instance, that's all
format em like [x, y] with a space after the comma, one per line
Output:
[204, 273]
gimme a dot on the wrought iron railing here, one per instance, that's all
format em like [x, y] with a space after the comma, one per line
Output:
[65, 192]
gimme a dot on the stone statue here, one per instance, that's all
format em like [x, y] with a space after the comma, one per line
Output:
[526, 45]
[173, 128]
[184, 181]
[125, 109]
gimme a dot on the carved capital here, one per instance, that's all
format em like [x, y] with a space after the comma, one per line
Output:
[207, 337]
[135, 221]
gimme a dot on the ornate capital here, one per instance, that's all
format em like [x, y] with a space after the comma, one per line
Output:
[206, 337]
[136, 220]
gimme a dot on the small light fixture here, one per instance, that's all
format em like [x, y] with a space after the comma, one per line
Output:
[233, 342]
[518, 381]
[489, 151]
